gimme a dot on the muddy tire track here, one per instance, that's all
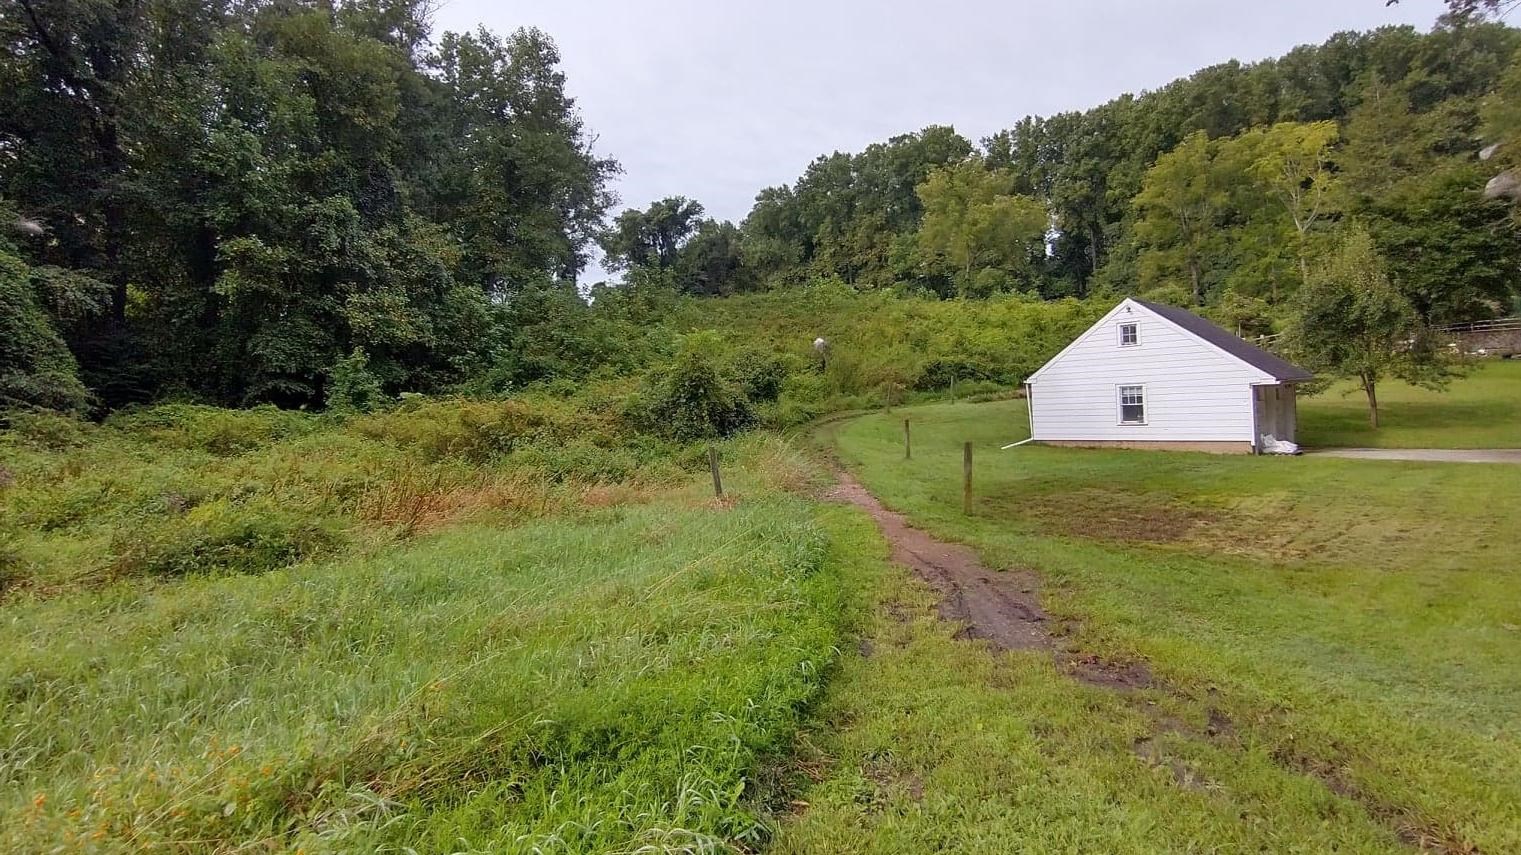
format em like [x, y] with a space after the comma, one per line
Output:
[1002, 608]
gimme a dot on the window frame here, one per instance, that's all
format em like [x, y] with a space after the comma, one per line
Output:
[1119, 400]
[1134, 325]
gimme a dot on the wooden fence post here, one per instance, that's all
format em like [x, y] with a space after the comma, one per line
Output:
[966, 479]
[908, 448]
[718, 484]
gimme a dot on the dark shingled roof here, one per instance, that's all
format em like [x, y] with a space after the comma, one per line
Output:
[1281, 369]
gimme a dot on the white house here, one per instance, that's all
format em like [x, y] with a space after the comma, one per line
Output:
[1154, 376]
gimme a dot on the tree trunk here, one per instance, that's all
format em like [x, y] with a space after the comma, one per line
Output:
[1194, 274]
[1304, 263]
[1094, 236]
[1368, 387]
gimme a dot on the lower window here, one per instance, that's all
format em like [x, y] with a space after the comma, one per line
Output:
[1132, 405]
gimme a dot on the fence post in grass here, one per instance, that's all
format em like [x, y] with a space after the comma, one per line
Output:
[966, 479]
[908, 448]
[718, 484]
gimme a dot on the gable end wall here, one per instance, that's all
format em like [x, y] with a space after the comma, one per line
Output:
[1194, 391]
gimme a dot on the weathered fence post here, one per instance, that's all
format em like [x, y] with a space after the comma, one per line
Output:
[966, 479]
[908, 448]
[718, 484]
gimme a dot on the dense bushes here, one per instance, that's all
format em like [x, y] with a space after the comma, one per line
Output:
[212, 429]
[879, 341]
[36, 367]
[221, 536]
[699, 395]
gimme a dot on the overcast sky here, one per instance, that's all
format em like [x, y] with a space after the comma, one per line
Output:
[715, 99]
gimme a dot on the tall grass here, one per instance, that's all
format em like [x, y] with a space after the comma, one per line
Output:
[510, 651]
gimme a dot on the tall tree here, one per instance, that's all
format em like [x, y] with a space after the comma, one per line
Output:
[1179, 207]
[1351, 321]
[976, 222]
[1294, 166]
[653, 236]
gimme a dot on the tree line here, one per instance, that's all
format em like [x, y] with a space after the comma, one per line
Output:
[225, 199]
[1224, 190]
[309, 202]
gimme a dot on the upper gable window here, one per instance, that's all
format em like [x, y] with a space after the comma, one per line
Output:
[1130, 334]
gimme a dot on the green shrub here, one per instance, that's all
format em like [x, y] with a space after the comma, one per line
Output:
[221, 537]
[695, 397]
[480, 431]
[760, 374]
[941, 373]
[45, 430]
[37, 369]
[352, 387]
[212, 429]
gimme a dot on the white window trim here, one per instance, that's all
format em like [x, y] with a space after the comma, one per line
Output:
[1119, 404]
[1120, 332]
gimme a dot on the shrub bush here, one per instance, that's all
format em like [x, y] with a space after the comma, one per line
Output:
[352, 387]
[479, 431]
[696, 396]
[44, 430]
[213, 429]
[222, 537]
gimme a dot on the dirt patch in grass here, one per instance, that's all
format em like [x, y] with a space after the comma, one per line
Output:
[1002, 608]
[1108, 514]
[1097, 671]
[1412, 830]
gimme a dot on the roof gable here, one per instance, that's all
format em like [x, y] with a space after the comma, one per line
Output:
[1216, 337]
[1277, 367]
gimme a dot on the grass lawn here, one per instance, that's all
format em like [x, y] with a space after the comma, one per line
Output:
[1481, 410]
[1334, 644]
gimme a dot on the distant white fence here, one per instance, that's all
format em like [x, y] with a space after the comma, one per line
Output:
[1498, 331]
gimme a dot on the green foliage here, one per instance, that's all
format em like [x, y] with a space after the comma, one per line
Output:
[221, 537]
[1178, 214]
[698, 395]
[986, 232]
[266, 187]
[1352, 322]
[651, 237]
[46, 430]
[480, 431]
[352, 387]
[214, 430]
[36, 367]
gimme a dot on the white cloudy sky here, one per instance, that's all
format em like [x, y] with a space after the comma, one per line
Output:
[715, 99]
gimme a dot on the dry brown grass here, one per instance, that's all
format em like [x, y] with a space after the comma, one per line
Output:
[425, 499]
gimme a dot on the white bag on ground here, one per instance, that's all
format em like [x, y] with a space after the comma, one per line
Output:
[1273, 445]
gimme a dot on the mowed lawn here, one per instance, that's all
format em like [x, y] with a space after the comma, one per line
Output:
[1334, 645]
[1480, 410]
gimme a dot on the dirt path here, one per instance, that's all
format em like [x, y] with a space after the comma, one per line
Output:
[1002, 608]
[1436, 455]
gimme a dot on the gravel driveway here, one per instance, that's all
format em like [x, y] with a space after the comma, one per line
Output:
[1441, 455]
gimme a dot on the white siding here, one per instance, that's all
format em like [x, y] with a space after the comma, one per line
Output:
[1194, 391]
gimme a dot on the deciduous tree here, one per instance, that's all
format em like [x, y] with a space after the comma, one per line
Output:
[1351, 321]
